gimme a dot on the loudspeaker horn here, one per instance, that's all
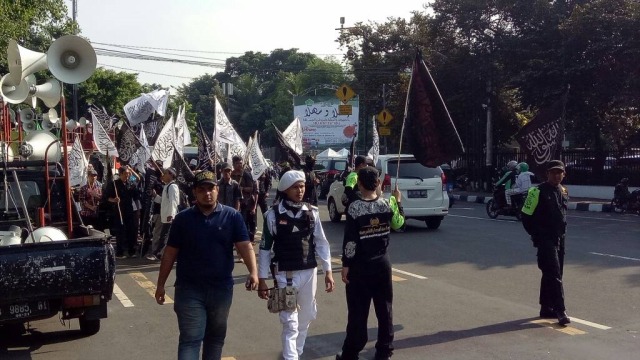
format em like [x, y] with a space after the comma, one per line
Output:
[27, 115]
[72, 125]
[49, 92]
[47, 125]
[29, 126]
[23, 62]
[14, 94]
[35, 146]
[82, 122]
[71, 59]
[12, 116]
[51, 116]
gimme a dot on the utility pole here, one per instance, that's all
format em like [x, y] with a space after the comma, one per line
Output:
[74, 14]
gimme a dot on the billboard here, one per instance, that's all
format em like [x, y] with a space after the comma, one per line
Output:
[322, 127]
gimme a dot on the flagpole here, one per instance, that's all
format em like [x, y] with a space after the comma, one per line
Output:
[404, 121]
[115, 189]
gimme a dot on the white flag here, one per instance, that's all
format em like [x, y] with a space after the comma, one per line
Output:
[374, 152]
[143, 154]
[77, 164]
[293, 135]
[183, 137]
[159, 99]
[256, 161]
[163, 148]
[101, 138]
[224, 131]
[139, 109]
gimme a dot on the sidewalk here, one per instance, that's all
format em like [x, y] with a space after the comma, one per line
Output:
[575, 203]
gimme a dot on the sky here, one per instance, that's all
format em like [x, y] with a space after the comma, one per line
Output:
[216, 30]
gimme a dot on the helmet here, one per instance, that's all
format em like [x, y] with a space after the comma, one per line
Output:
[624, 180]
[523, 167]
[511, 165]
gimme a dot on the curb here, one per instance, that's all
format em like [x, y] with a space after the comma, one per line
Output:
[579, 206]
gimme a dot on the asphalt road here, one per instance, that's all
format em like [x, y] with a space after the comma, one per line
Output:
[468, 290]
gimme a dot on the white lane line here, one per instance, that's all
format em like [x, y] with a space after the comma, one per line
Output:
[615, 256]
[409, 274]
[589, 323]
[599, 218]
[121, 296]
[484, 218]
[338, 261]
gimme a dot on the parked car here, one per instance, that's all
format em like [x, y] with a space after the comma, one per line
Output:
[327, 171]
[423, 190]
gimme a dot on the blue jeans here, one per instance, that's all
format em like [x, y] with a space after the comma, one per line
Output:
[202, 320]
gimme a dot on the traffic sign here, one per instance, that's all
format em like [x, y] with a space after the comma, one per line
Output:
[384, 117]
[345, 93]
[384, 131]
[345, 109]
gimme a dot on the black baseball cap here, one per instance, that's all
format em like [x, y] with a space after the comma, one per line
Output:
[555, 164]
[205, 177]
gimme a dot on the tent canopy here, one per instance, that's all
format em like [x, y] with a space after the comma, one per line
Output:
[343, 152]
[327, 154]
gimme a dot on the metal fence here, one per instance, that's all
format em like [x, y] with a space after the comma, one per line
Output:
[584, 167]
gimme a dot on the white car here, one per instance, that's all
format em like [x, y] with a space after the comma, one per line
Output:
[423, 190]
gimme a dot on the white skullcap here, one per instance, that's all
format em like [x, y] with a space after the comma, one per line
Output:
[193, 162]
[289, 178]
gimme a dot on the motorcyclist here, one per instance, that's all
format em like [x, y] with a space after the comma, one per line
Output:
[508, 181]
[523, 182]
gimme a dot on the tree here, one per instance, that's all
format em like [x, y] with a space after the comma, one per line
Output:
[110, 89]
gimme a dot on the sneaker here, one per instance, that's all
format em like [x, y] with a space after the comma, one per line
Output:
[152, 258]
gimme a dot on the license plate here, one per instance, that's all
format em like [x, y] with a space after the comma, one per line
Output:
[417, 193]
[24, 310]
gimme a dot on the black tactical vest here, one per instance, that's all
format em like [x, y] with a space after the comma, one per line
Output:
[293, 243]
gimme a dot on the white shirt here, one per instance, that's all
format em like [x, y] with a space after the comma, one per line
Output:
[169, 201]
[322, 244]
[523, 182]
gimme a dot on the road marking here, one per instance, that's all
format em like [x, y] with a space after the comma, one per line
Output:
[589, 323]
[599, 218]
[554, 325]
[393, 277]
[228, 358]
[484, 218]
[615, 256]
[409, 274]
[148, 286]
[121, 296]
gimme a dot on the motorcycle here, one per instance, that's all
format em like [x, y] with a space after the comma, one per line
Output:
[626, 204]
[497, 205]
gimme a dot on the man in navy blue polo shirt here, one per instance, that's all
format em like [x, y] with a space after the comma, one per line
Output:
[202, 240]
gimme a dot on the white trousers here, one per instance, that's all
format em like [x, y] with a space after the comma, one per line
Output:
[508, 193]
[295, 324]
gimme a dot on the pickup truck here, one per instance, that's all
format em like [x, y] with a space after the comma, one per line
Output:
[41, 277]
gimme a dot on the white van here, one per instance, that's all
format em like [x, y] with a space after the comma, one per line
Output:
[423, 189]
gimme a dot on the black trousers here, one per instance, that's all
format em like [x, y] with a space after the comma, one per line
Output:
[551, 263]
[361, 290]
[126, 234]
[262, 202]
[250, 221]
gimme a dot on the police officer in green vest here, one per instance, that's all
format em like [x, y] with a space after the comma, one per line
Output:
[544, 216]
[351, 182]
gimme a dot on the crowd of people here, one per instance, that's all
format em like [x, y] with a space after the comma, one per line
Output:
[222, 217]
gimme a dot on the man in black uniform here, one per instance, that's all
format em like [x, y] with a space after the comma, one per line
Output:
[311, 181]
[545, 219]
[366, 268]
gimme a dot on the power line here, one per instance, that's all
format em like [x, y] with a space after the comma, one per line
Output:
[147, 72]
[184, 50]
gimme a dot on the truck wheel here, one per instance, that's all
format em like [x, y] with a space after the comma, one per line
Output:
[334, 215]
[89, 327]
[433, 222]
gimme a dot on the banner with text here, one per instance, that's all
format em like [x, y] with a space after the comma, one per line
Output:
[321, 125]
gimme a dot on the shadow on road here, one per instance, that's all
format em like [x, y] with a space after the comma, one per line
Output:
[16, 343]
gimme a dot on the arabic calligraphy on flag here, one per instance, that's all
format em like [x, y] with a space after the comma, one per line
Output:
[374, 152]
[164, 146]
[541, 138]
[77, 164]
[101, 138]
[293, 135]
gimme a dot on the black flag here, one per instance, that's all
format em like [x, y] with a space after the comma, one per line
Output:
[127, 144]
[541, 138]
[205, 152]
[184, 176]
[287, 153]
[432, 136]
[352, 151]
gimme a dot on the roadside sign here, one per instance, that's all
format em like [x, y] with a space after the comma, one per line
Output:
[344, 109]
[345, 93]
[384, 131]
[384, 117]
